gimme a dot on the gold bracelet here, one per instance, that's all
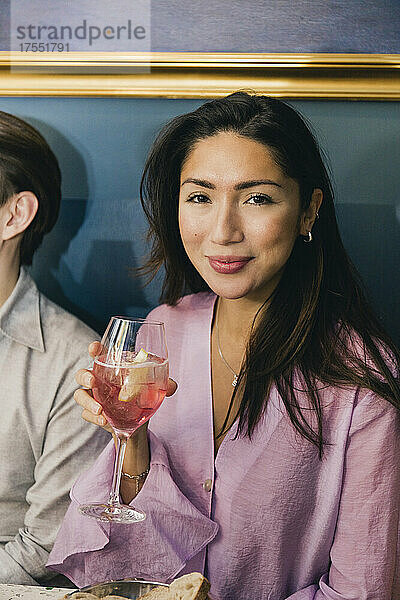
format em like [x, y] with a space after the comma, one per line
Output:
[137, 478]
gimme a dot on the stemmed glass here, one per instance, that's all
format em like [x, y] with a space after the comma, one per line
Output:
[131, 375]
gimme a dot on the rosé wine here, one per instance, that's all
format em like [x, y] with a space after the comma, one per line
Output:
[131, 392]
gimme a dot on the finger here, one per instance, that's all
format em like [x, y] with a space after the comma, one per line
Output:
[85, 378]
[95, 349]
[95, 419]
[84, 399]
[171, 387]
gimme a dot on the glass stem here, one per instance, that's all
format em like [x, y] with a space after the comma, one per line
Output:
[119, 461]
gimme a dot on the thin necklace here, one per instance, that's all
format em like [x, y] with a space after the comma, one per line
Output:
[236, 376]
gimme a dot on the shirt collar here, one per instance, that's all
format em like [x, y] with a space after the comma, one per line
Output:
[20, 314]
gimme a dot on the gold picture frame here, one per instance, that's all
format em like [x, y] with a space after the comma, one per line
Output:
[200, 75]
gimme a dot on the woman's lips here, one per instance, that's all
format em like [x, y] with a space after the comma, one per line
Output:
[228, 264]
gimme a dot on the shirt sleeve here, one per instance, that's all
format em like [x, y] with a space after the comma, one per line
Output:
[157, 548]
[69, 444]
[364, 555]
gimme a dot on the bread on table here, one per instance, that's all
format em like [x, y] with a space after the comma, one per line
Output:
[157, 593]
[188, 587]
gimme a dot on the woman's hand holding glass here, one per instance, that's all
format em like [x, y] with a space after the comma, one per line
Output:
[127, 385]
[92, 411]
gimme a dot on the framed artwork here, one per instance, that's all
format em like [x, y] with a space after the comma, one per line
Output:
[200, 74]
[333, 49]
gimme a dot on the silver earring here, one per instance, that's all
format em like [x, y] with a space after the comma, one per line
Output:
[308, 239]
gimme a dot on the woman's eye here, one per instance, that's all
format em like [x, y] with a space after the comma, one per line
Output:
[198, 198]
[259, 199]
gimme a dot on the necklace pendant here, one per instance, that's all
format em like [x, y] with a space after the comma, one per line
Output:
[235, 380]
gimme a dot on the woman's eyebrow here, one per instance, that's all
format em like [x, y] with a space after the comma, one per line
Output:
[242, 185]
[254, 182]
[200, 182]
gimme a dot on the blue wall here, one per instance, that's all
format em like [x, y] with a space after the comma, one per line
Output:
[86, 263]
[369, 26]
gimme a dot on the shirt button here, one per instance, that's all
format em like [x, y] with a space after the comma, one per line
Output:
[207, 485]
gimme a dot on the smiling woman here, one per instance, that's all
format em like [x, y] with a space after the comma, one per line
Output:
[239, 213]
[274, 468]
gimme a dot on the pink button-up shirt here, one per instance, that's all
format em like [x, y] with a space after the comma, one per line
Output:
[265, 520]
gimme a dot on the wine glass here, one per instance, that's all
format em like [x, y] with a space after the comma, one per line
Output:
[131, 373]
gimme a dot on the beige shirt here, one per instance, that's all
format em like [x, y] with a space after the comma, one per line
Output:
[44, 443]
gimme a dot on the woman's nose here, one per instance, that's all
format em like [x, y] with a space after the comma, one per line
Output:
[225, 227]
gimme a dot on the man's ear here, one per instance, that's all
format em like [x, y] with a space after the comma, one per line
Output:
[21, 210]
[309, 216]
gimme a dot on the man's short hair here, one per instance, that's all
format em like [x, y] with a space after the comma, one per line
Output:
[28, 164]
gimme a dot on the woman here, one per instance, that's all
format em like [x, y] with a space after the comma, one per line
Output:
[274, 468]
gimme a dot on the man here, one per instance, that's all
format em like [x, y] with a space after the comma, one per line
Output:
[44, 444]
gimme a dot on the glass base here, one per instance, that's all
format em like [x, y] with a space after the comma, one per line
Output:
[120, 513]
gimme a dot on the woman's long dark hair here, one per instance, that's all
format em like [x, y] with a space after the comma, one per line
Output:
[318, 324]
